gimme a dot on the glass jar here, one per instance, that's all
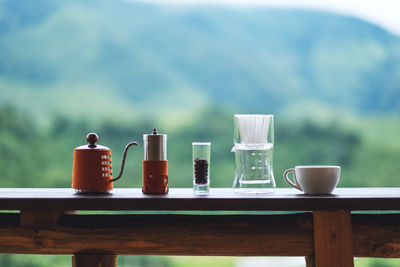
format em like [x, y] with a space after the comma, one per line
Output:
[201, 152]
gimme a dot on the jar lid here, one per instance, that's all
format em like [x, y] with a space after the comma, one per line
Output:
[92, 139]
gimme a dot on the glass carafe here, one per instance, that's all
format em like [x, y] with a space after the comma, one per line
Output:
[254, 146]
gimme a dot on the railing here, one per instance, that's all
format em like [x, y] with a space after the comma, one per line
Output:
[322, 228]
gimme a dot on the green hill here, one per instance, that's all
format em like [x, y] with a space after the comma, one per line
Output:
[145, 58]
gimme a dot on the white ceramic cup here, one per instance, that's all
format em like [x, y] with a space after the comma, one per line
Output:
[315, 180]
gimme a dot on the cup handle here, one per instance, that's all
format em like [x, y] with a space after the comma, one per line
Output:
[295, 184]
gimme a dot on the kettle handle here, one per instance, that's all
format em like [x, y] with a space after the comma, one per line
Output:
[123, 161]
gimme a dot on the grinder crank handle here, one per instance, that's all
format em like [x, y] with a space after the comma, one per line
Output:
[123, 161]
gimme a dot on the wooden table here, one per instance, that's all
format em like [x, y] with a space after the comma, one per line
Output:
[321, 228]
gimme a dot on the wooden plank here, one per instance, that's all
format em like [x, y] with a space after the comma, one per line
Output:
[374, 235]
[183, 199]
[333, 238]
[230, 235]
[40, 218]
[94, 260]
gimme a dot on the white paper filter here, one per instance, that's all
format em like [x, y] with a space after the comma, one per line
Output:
[253, 128]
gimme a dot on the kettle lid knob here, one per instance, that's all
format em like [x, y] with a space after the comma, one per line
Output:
[92, 139]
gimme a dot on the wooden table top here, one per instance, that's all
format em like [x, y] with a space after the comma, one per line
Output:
[183, 199]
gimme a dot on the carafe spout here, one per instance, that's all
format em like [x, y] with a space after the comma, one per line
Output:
[235, 147]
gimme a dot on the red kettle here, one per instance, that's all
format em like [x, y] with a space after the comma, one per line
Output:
[92, 167]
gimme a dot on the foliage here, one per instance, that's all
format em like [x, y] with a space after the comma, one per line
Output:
[33, 157]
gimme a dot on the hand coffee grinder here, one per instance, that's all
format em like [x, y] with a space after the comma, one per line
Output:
[92, 168]
[155, 164]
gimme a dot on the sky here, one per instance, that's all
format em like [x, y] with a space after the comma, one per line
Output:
[385, 13]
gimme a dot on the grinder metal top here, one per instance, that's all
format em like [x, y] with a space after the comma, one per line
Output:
[155, 146]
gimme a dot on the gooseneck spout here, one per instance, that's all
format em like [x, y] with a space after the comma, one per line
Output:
[123, 161]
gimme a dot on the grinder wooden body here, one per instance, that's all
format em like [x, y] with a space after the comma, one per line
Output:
[155, 177]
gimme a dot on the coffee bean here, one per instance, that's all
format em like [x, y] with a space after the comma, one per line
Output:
[200, 171]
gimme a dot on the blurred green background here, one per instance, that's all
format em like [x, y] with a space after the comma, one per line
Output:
[120, 68]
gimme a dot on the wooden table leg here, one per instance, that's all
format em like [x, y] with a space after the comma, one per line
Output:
[94, 260]
[333, 241]
[310, 261]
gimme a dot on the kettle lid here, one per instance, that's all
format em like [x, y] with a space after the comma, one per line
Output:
[92, 139]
